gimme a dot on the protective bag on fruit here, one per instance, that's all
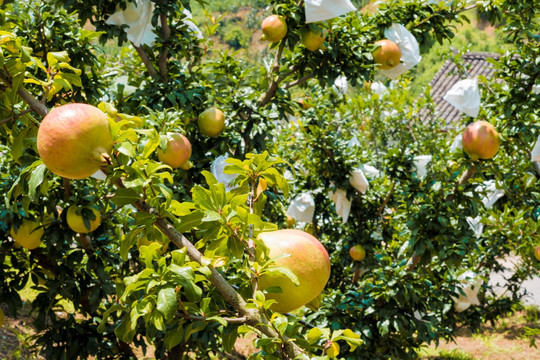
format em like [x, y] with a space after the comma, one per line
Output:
[343, 204]
[410, 51]
[320, 10]
[465, 96]
[492, 193]
[218, 170]
[358, 180]
[341, 84]
[302, 208]
[471, 284]
[420, 163]
[138, 16]
[457, 144]
[535, 153]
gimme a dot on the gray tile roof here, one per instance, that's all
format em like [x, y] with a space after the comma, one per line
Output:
[475, 64]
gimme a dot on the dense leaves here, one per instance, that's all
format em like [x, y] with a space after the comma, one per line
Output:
[173, 262]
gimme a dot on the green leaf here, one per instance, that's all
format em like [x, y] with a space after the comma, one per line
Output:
[190, 221]
[152, 144]
[128, 149]
[114, 307]
[181, 209]
[125, 197]
[351, 338]
[193, 328]
[127, 243]
[174, 337]
[218, 319]
[38, 174]
[124, 331]
[314, 335]
[166, 303]
[259, 296]
[281, 270]
[210, 216]
[201, 197]
[228, 337]
[383, 327]
[167, 193]
[18, 143]
[210, 178]
[15, 87]
[55, 57]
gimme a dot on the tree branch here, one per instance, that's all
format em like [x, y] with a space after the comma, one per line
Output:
[273, 86]
[240, 320]
[166, 31]
[232, 297]
[146, 60]
[16, 116]
[385, 201]
[28, 98]
[299, 81]
[464, 178]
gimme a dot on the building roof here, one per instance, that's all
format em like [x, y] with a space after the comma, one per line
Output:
[475, 64]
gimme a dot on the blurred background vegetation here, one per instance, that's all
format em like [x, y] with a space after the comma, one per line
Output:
[239, 23]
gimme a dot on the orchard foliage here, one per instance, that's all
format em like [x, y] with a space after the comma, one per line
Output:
[173, 262]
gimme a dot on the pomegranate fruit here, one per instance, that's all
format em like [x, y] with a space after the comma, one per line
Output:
[481, 140]
[28, 235]
[387, 55]
[211, 122]
[74, 140]
[357, 252]
[177, 152]
[313, 40]
[76, 223]
[274, 28]
[305, 257]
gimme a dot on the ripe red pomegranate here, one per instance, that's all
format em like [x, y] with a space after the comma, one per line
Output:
[177, 152]
[274, 28]
[304, 256]
[481, 140]
[74, 140]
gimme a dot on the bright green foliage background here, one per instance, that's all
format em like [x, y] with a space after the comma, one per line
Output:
[414, 229]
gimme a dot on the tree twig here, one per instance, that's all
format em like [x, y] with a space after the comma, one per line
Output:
[166, 31]
[16, 116]
[299, 81]
[28, 98]
[146, 60]
[240, 320]
[464, 178]
[386, 199]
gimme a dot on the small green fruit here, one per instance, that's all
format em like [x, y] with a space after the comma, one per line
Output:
[76, 222]
[28, 235]
[211, 122]
[357, 252]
